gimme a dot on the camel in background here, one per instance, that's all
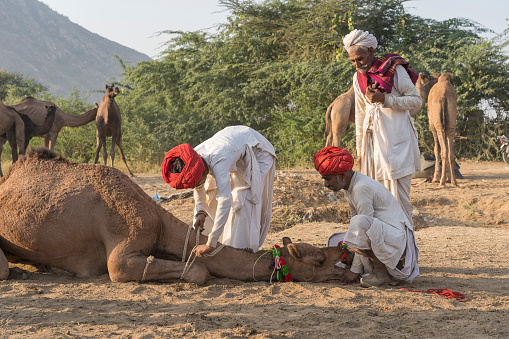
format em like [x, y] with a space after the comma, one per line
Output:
[442, 114]
[30, 130]
[91, 220]
[342, 110]
[338, 116]
[10, 120]
[37, 111]
[109, 121]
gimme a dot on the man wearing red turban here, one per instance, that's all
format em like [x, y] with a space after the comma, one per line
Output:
[379, 232]
[232, 174]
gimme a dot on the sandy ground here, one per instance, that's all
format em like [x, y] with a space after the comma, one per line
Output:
[463, 236]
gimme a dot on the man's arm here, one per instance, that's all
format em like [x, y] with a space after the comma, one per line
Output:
[409, 98]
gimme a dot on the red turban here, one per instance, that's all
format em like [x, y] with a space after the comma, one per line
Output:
[333, 160]
[192, 171]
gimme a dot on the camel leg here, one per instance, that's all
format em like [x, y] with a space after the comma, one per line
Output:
[119, 145]
[4, 266]
[124, 267]
[50, 141]
[340, 133]
[444, 156]
[101, 142]
[112, 151]
[450, 146]
[437, 154]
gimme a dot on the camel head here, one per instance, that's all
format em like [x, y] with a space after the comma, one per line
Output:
[427, 81]
[310, 263]
[112, 91]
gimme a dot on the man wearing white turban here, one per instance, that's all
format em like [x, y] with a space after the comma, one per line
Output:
[385, 92]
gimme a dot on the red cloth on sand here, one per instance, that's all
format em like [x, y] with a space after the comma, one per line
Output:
[333, 160]
[192, 171]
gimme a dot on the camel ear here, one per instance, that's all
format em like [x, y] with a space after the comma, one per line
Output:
[294, 252]
[286, 241]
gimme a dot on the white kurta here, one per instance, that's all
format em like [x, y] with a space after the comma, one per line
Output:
[380, 224]
[238, 192]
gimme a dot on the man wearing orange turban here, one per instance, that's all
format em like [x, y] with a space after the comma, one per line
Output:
[379, 232]
[232, 174]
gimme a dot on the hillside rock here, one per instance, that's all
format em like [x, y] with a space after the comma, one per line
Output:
[42, 44]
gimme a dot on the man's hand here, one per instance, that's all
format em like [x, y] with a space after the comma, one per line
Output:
[201, 250]
[375, 95]
[200, 222]
[350, 277]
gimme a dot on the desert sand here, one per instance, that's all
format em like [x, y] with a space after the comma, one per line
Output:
[462, 233]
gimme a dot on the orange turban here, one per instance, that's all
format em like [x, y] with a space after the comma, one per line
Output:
[333, 160]
[192, 171]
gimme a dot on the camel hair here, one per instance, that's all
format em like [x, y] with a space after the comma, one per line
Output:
[91, 220]
[109, 124]
[341, 112]
[442, 114]
[36, 110]
[30, 130]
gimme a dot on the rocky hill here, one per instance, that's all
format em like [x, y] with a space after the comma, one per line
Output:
[42, 44]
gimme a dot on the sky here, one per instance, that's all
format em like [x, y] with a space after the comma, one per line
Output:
[136, 23]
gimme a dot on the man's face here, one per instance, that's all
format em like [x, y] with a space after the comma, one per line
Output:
[361, 58]
[334, 182]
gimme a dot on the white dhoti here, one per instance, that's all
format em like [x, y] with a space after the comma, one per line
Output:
[388, 243]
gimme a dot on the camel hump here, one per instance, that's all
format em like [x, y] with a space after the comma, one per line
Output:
[28, 97]
[40, 153]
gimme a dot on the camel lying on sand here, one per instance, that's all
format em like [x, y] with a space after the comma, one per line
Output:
[92, 219]
[30, 130]
[341, 112]
[109, 124]
[442, 114]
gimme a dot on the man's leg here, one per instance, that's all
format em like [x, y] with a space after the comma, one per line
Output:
[357, 240]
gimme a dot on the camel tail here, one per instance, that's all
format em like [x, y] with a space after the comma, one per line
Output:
[328, 122]
[444, 116]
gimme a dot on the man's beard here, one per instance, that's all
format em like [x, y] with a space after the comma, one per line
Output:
[363, 69]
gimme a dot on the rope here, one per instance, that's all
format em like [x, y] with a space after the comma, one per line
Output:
[150, 260]
[190, 262]
[256, 262]
[441, 293]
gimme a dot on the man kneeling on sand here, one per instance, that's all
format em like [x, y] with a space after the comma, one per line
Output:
[379, 233]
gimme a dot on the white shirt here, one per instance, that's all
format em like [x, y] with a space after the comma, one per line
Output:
[229, 155]
[396, 150]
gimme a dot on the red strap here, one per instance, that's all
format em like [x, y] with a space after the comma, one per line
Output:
[442, 293]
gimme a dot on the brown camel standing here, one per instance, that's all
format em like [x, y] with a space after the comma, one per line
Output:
[36, 110]
[109, 123]
[442, 113]
[30, 130]
[342, 110]
[338, 116]
[91, 220]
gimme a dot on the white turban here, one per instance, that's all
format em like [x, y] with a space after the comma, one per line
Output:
[358, 37]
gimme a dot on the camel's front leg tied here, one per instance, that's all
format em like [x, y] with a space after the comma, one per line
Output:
[150, 260]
